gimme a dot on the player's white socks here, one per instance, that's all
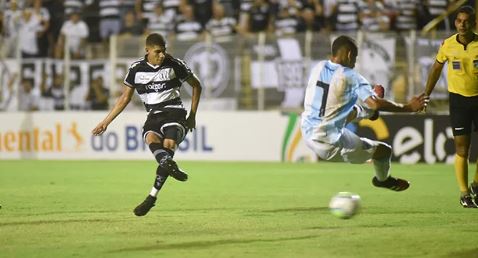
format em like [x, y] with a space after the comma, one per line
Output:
[154, 192]
[382, 168]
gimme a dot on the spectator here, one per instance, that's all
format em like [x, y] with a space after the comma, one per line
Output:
[29, 27]
[145, 10]
[310, 21]
[287, 22]
[373, 16]
[77, 33]
[131, 26]
[171, 8]
[220, 26]
[430, 9]
[259, 18]
[125, 7]
[329, 11]
[56, 11]
[98, 95]
[405, 15]
[202, 10]
[110, 22]
[7, 95]
[71, 6]
[347, 13]
[160, 23]
[188, 28]
[27, 99]
[43, 15]
[55, 92]
[11, 17]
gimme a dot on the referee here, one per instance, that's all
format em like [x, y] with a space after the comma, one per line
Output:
[461, 53]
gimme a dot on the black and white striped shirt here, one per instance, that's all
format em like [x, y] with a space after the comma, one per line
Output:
[407, 14]
[223, 27]
[109, 9]
[347, 15]
[158, 85]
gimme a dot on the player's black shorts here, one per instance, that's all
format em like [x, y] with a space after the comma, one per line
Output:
[463, 114]
[169, 124]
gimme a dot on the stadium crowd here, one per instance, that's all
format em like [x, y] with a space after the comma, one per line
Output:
[38, 29]
[42, 25]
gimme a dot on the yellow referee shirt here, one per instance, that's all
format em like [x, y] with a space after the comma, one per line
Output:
[462, 65]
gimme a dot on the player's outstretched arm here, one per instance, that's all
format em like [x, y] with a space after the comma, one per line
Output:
[417, 103]
[197, 88]
[120, 104]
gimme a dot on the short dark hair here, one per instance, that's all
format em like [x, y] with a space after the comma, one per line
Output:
[155, 39]
[343, 41]
[468, 10]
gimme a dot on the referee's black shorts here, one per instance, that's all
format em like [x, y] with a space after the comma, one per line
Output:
[463, 114]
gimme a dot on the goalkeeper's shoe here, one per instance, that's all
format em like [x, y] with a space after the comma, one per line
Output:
[467, 201]
[171, 167]
[144, 207]
[380, 91]
[392, 183]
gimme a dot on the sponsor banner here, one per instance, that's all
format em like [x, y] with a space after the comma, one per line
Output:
[253, 136]
[235, 136]
[414, 138]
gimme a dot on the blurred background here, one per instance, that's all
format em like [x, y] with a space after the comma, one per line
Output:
[251, 55]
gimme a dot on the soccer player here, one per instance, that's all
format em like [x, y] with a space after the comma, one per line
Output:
[461, 53]
[157, 78]
[331, 98]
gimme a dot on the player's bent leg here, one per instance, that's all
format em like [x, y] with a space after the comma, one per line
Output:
[163, 150]
[381, 162]
[172, 135]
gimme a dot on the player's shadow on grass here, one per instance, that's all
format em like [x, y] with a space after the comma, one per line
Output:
[297, 209]
[207, 244]
[44, 222]
[463, 254]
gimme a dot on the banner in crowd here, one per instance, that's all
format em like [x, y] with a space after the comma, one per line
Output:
[425, 54]
[285, 67]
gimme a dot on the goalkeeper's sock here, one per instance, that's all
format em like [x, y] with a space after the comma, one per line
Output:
[161, 176]
[382, 168]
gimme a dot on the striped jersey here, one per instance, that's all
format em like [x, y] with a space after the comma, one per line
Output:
[109, 9]
[158, 85]
[331, 93]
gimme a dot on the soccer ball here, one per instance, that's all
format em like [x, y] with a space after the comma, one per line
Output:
[344, 205]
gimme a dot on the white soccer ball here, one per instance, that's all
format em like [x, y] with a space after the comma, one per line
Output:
[344, 205]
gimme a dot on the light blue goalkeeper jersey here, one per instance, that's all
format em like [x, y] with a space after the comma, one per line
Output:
[331, 93]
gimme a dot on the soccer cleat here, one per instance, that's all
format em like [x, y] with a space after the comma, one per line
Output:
[467, 202]
[380, 91]
[474, 193]
[144, 207]
[392, 183]
[171, 167]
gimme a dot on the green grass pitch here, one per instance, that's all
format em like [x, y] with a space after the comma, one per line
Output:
[228, 209]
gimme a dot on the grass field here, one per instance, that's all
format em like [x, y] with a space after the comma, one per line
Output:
[84, 209]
